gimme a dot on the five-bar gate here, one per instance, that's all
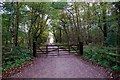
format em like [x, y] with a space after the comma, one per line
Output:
[57, 50]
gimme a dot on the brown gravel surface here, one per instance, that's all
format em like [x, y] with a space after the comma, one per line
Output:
[62, 66]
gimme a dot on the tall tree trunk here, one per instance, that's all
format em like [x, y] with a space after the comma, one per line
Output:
[60, 35]
[55, 37]
[118, 38]
[17, 24]
[68, 39]
[104, 25]
[34, 46]
[117, 4]
[104, 30]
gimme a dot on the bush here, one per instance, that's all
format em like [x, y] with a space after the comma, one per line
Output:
[15, 58]
[116, 68]
[102, 57]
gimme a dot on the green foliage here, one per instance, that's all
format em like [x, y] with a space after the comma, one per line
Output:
[86, 53]
[59, 5]
[78, 22]
[116, 68]
[15, 58]
[112, 37]
[102, 56]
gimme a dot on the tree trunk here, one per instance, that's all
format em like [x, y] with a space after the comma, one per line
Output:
[60, 35]
[118, 32]
[68, 39]
[118, 38]
[34, 48]
[17, 24]
[104, 26]
[105, 32]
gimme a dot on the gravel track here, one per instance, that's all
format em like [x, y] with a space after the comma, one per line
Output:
[62, 66]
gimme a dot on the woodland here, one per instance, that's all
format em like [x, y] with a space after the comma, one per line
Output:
[95, 24]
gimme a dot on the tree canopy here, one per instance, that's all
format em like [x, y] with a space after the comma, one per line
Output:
[27, 24]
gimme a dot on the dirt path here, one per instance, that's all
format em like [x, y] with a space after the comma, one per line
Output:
[62, 66]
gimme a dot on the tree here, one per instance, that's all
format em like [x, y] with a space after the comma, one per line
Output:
[117, 5]
[39, 17]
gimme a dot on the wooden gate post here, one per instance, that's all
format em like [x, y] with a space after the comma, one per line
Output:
[58, 50]
[69, 48]
[81, 48]
[46, 49]
[34, 48]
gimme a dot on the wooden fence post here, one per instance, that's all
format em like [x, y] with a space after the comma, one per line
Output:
[81, 48]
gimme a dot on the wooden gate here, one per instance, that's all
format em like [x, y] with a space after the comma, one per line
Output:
[58, 50]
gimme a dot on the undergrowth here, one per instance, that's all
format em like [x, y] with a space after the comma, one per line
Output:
[15, 59]
[102, 56]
